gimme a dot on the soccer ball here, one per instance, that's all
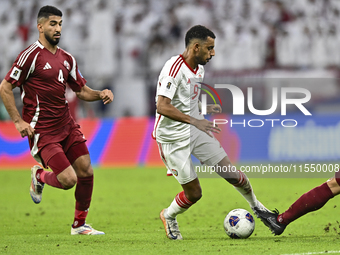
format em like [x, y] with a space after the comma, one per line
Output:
[239, 223]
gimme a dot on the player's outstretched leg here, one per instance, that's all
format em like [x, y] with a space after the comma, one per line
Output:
[308, 202]
[170, 226]
[36, 187]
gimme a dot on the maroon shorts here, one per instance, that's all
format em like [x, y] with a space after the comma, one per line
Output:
[64, 145]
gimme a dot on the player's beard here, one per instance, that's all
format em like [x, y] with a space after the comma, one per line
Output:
[203, 61]
[52, 41]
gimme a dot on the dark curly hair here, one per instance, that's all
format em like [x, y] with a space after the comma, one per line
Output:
[198, 32]
[47, 11]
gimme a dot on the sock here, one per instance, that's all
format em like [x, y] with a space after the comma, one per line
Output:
[308, 202]
[179, 205]
[79, 218]
[83, 195]
[49, 178]
[244, 188]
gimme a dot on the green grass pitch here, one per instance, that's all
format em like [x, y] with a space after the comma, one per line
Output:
[126, 205]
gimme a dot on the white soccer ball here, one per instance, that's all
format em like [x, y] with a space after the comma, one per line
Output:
[239, 223]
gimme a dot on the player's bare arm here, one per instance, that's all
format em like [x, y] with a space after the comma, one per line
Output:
[165, 108]
[88, 94]
[7, 97]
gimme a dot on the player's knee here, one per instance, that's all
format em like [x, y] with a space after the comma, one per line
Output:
[83, 166]
[225, 162]
[198, 196]
[88, 170]
[227, 171]
[68, 181]
[85, 171]
[194, 195]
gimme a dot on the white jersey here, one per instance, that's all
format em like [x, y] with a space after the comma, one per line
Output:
[179, 82]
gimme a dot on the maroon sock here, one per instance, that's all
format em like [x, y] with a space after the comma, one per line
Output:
[83, 195]
[49, 178]
[308, 202]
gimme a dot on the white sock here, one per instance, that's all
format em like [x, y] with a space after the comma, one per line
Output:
[245, 189]
[179, 205]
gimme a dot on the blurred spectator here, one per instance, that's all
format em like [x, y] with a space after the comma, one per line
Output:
[270, 56]
[304, 48]
[100, 55]
[319, 51]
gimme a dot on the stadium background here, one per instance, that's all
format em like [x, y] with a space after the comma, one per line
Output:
[122, 45]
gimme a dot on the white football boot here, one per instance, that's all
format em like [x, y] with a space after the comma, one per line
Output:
[36, 187]
[171, 227]
[85, 229]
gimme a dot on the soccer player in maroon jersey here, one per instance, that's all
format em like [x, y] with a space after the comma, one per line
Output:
[311, 201]
[41, 72]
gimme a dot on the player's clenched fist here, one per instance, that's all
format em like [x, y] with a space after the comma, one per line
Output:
[106, 95]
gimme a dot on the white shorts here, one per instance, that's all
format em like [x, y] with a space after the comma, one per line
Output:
[177, 156]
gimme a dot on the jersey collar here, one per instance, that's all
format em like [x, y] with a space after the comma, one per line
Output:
[192, 70]
[40, 45]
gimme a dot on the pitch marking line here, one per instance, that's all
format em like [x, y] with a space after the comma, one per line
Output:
[312, 253]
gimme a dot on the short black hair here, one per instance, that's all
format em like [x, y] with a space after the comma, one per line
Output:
[47, 11]
[198, 32]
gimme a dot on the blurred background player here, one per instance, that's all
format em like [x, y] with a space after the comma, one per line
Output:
[180, 130]
[42, 71]
[311, 201]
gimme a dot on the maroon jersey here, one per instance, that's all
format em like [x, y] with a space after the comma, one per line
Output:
[42, 77]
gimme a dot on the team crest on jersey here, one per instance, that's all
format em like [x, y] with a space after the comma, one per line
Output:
[67, 65]
[168, 85]
[174, 172]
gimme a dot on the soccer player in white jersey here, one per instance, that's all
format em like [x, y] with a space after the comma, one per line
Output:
[180, 130]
